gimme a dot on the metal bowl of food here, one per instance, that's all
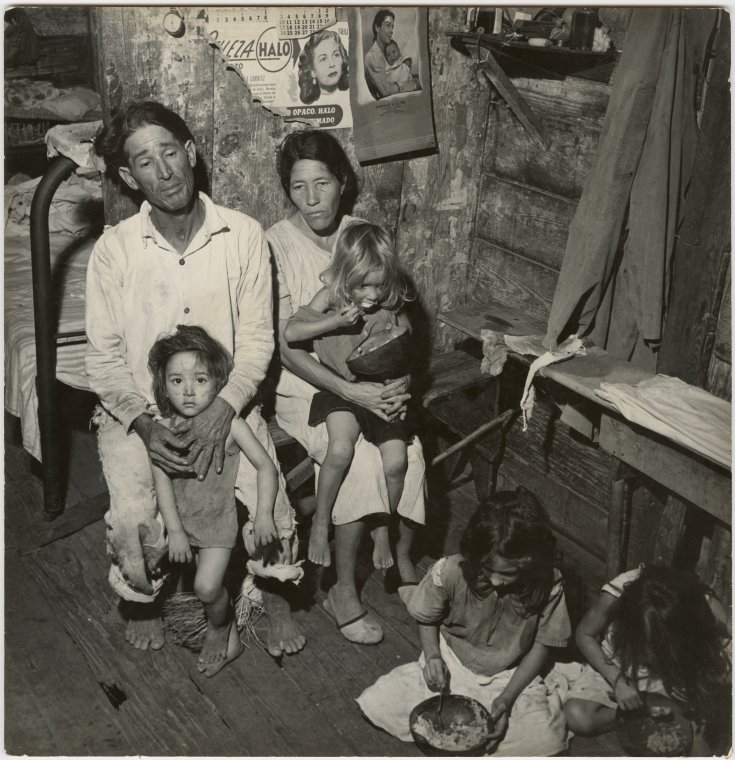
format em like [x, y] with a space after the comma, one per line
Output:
[658, 729]
[385, 355]
[451, 725]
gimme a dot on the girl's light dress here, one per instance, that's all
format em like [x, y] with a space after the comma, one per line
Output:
[480, 640]
[300, 261]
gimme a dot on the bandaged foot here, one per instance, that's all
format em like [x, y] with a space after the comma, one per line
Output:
[382, 554]
[319, 552]
[144, 629]
[284, 635]
[221, 646]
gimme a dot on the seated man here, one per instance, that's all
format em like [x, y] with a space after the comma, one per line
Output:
[180, 260]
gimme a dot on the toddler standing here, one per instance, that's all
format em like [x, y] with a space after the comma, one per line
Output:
[189, 369]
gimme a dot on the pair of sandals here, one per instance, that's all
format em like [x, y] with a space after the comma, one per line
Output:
[364, 628]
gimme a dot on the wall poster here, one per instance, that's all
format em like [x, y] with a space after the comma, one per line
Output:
[293, 60]
[390, 85]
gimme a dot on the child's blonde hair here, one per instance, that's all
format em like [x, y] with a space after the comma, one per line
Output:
[363, 248]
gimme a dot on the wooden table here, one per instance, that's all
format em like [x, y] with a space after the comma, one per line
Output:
[681, 471]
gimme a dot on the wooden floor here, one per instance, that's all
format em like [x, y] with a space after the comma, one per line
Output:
[74, 687]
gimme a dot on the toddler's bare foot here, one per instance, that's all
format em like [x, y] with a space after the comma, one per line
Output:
[382, 554]
[284, 636]
[319, 544]
[213, 657]
[144, 629]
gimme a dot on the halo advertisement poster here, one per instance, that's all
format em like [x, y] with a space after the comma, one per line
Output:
[293, 60]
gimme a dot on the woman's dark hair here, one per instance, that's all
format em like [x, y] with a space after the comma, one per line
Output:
[210, 352]
[514, 525]
[313, 145]
[110, 142]
[663, 622]
[380, 17]
[309, 89]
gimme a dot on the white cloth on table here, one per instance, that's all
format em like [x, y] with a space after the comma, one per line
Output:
[679, 411]
[536, 726]
[300, 262]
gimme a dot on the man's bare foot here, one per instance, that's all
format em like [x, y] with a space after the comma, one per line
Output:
[232, 651]
[319, 552]
[144, 629]
[382, 554]
[284, 635]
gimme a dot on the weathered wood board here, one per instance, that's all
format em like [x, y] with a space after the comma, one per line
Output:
[501, 275]
[522, 219]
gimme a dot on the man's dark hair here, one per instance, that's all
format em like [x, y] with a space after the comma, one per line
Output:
[110, 142]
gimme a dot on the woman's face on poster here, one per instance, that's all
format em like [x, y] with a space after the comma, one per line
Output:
[327, 63]
[385, 31]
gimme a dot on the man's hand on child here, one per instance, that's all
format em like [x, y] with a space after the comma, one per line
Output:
[436, 673]
[179, 549]
[163, 446]
[206, 434]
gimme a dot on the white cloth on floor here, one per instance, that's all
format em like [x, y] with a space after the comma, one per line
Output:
[682, 412]
[536, 727]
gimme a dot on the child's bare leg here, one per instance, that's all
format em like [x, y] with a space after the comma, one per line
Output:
[382, 553]
[222, 643]
[395, 464]
[343, 431]
[588, 718]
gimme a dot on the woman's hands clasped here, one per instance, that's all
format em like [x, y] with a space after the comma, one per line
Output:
[387, 401]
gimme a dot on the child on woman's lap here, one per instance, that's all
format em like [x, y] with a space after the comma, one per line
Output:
[653, 629]
[364, 293]
[189, 369]
[487, 617]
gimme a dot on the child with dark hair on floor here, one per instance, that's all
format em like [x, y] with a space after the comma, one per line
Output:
[653, 630]
[487, 618]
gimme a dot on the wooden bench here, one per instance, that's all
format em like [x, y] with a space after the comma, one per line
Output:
[449, 374]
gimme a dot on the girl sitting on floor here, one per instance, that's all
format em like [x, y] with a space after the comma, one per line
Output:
[487, 617]
[364, 293]
[652, 629]
[189, 369]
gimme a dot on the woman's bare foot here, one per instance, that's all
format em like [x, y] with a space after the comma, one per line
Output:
[218, 657]
[319, 552]
[284, 636]
[382, 554]
[144, 629]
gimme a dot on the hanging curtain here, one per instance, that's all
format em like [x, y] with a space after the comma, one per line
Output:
[613, 282]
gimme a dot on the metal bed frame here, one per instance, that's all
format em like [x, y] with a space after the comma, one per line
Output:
[48, 337]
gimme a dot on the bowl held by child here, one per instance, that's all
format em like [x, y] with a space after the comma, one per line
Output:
[462, 728]
[658, 729]
[384, 355]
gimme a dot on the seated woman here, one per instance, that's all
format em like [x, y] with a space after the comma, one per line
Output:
[319, 180]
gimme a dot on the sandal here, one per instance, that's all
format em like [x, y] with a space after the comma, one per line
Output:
[358, 630]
